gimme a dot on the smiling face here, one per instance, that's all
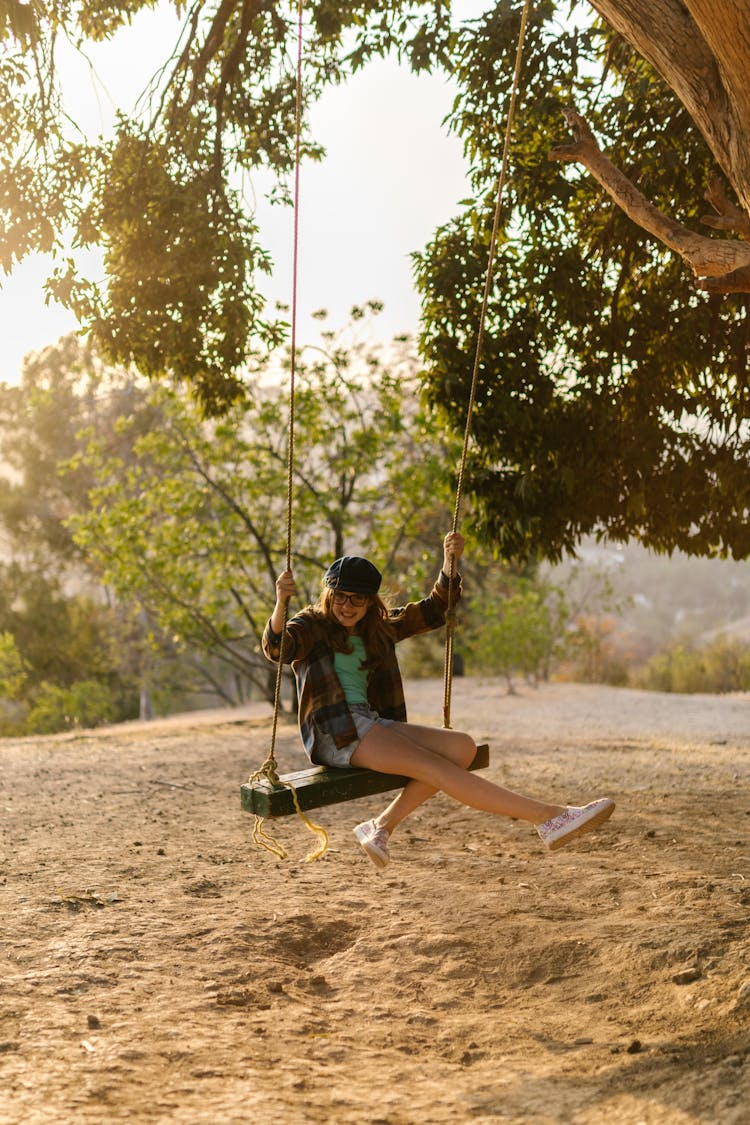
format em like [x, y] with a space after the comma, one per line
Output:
[349, 609]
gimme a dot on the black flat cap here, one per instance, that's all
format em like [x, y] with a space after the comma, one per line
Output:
[354, 574]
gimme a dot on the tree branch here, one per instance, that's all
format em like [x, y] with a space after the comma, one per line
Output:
[738, 281]
[730, 218]
[707, 257]
[211, 46]
[224, 494]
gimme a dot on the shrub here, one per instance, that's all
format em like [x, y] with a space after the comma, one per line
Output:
[12, 668]
[84, 704]
[722, 666]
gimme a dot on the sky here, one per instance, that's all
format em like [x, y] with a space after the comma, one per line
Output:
[392, 174]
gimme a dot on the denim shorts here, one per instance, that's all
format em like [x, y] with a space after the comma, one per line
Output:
[327, 753]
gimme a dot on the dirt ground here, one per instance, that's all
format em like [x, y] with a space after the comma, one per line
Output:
[157, 967]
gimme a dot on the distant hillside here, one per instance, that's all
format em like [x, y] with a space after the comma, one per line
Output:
[656, 599]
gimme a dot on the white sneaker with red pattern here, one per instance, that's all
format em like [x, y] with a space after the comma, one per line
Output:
[374, 842]
[567, 826]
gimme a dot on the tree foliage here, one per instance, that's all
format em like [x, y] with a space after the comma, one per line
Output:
[163, 196]
[612, 396]
[613, 393]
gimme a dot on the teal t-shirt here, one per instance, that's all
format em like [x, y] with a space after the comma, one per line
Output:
[352, 675]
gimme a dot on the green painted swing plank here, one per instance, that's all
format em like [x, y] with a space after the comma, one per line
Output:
[323, 785]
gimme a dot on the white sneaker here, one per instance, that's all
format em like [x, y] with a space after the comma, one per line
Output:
[561, 829]
[374, 842]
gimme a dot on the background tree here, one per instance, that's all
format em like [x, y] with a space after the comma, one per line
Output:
[190, 526]
[63, 389]
[518, 626]
[51, 604]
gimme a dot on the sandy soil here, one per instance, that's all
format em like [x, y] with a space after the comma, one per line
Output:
[156, 967]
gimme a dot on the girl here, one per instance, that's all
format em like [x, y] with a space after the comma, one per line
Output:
[352, 710]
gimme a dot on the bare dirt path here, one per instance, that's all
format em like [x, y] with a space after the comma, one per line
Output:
[155, 967]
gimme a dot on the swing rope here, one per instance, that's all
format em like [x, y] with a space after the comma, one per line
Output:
[450, 619]
[269, 770]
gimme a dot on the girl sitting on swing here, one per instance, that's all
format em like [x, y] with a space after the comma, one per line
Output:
[352, 710]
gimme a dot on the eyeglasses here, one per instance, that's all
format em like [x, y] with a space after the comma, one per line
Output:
[357, 600]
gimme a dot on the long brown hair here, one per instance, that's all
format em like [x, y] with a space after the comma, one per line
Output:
[375, 629]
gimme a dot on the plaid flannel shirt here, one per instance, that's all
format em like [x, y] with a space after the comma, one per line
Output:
[322, 703]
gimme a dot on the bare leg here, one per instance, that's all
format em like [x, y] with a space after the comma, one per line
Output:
[457, 747]
[389, 750]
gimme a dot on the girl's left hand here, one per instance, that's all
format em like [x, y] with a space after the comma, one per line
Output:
[453, 547]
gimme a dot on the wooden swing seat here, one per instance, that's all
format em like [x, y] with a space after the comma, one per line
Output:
[323, 785]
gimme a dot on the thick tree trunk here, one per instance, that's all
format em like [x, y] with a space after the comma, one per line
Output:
[701, 48]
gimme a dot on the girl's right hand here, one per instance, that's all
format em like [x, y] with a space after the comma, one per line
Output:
[286, 587]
